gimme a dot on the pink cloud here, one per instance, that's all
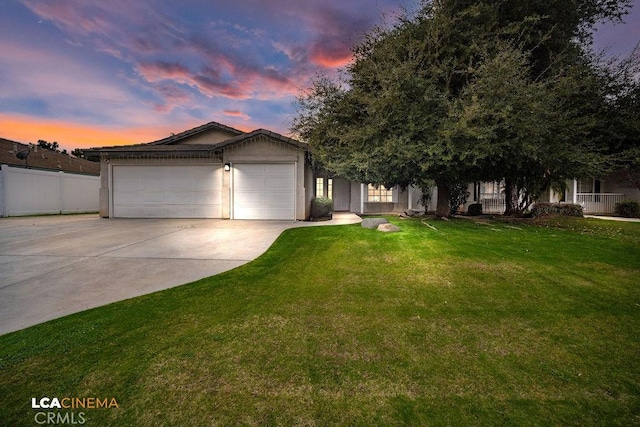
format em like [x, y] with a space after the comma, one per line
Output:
[236, 113]
[330, 58]
[170, 64]
[162, 70]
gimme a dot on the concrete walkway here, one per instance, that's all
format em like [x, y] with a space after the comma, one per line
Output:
[613, 218]
[53, 266]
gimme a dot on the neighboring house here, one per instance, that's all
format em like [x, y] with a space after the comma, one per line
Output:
[46, 182]
[212, 171]
[44, 159]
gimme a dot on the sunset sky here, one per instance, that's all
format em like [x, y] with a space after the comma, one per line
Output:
[91, 73]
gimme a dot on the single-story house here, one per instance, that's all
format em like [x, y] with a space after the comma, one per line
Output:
[215, 171]
[212, 171]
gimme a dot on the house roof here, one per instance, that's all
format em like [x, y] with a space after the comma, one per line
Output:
[191, 132]
[198, 150]
[168, 146]
[262, 132]
[41, 158]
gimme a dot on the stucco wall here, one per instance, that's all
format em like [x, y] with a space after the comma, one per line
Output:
[212, 136]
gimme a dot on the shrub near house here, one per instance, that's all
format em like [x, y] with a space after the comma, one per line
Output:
[321, 207]
[545, 209]
[628, 209]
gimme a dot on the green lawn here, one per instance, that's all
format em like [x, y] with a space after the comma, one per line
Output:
[492, 324]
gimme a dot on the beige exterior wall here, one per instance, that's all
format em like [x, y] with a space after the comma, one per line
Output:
[309, 183]
[104, 189]
[377, 208]
[399, 207]
[210, 137]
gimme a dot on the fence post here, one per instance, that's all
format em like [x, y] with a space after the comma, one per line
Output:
[3, 191]
[61, 181]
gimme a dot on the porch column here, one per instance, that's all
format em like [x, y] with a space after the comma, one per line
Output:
[575, 191]
[410, 190]
[363, 194]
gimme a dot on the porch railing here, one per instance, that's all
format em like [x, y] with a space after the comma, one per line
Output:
[492, 203]
[599, 203]
[592, 203]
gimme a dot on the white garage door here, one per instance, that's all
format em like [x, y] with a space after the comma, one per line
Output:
[167, 191]
[264, 191]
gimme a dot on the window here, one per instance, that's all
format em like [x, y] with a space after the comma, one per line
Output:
[319, 187]
[585, 186]
[379, 195]
[562, 197]
[330, 188]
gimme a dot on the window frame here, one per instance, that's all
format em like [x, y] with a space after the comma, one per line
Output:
[319, 187]
[383, 194]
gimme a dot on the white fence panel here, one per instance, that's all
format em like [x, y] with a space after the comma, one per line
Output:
[80, 193]
[32, 192]
[600, 203]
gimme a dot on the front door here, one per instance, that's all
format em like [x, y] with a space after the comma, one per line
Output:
[341, 194]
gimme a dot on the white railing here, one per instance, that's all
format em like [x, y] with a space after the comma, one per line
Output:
[492, 203]
[601, 203]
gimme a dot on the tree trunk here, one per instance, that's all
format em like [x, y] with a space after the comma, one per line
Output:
[509, 202]
[444, 194]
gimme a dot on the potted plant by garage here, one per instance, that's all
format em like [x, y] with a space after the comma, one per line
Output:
[321, 209]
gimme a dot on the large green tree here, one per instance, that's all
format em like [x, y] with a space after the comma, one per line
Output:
[463, 91]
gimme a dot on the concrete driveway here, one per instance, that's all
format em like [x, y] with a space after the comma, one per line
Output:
[57, 265]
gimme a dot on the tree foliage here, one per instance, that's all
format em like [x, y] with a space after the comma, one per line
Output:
[468, 91]
[53, 146]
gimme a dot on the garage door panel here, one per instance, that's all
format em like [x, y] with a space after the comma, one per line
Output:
[155, 212]
[279, 169]
[264, 191]
[167, 191]
[126, 197]
[127, 211]
[247, 197]
[181, 199]
[280, 183]
[277, 213]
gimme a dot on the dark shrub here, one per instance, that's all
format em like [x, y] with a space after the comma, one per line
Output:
[475, 209]
[321, 207]
[457, 197]
[544, 209]
[628, 208]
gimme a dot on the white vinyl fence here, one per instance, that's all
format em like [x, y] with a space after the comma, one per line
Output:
[32, 192]
[599, 203]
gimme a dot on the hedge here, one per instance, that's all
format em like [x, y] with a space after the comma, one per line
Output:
[628, 208]
[562, 209]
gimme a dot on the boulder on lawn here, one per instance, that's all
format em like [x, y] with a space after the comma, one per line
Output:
[372, 223]
[388, 228]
